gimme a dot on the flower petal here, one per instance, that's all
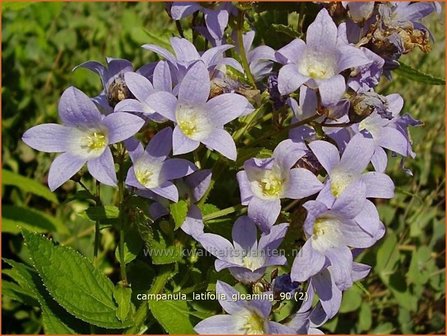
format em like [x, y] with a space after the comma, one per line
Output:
[139, 85]
[226, 107]
[379, 160]
[332, 89]
[273, 239]
[328, 292]
[193, 224]
[289, 79]
[163, 103]
[291, 52]
[195, 86]
[50, 138]
[162, 79]
[288, 152]
[244, 187]
[176, 168]
[181, 144]
[244, 234]
[102, 168]
[76, 108]
[326, 153]
[167, 190]
[357, 155]
[161, 144]
[264, 213]
[378, 185]
[221, 141]
[301, 183]
[307, 263]
[322, 33]
[180, 10]
[185, 51]
[63, 168]
[122, 126]
[218, 325]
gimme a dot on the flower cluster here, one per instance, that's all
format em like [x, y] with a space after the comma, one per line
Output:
[331, 166]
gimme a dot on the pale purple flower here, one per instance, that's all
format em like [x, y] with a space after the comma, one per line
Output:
[141, 88]
[216, 19]
[367, 76]
[112, 79]
[260, 59]
[407, 14]
[246, 258]
[359, 12]
[191, 187]
[319, 61]
[153, 171]
[330, 234]
[381, 127]
[84, 137]
[343, 172]
[186, 55]
[197, 119]
[245, 317]
[264, 182]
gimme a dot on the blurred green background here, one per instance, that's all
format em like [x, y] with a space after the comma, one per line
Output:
[42, 42]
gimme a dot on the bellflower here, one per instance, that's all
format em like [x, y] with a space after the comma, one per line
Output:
[367, 77]
[112, 79]
[197, 119]
[359, 12]
[246, 258]
[264, 182]
[245, 317]
[141, 88]
[84, 137]
[186, 55]
[216, 19]
[260, 59]
[319, 61]
[153, 171]
[330, 234]
[349, 169]
[384, 133]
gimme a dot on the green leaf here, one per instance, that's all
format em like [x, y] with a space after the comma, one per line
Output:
[408, 72]
[352, 299]
[28, 185]
[173, 316]
[289, 31]
[178, 212]
[16, 218]
[55, 319]
[387, 257]
[122, 296]
[73, 282]
[132, 246]
[365, 317]
[105, 214]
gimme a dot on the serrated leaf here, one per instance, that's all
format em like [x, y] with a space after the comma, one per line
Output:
[289, 31]
[173, 316]
[73, 282]
[16, 218]
[28, 185]
[410, 73]
[178, 212]
[122, 296]
[54, 318]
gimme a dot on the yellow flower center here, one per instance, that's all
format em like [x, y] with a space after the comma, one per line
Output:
[317, 71]
[254, 325]
[188, 127]
[320, 226]
[271, 185]
[94, 141]
[339, 182]
[144, 176]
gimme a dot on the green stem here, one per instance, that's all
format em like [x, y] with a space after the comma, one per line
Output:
[157, 287]
[97, 233]
[121, 218]
[223, 212]
[242, 51]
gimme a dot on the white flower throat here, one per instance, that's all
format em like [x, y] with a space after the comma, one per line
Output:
[193, 122]
[271, 184]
